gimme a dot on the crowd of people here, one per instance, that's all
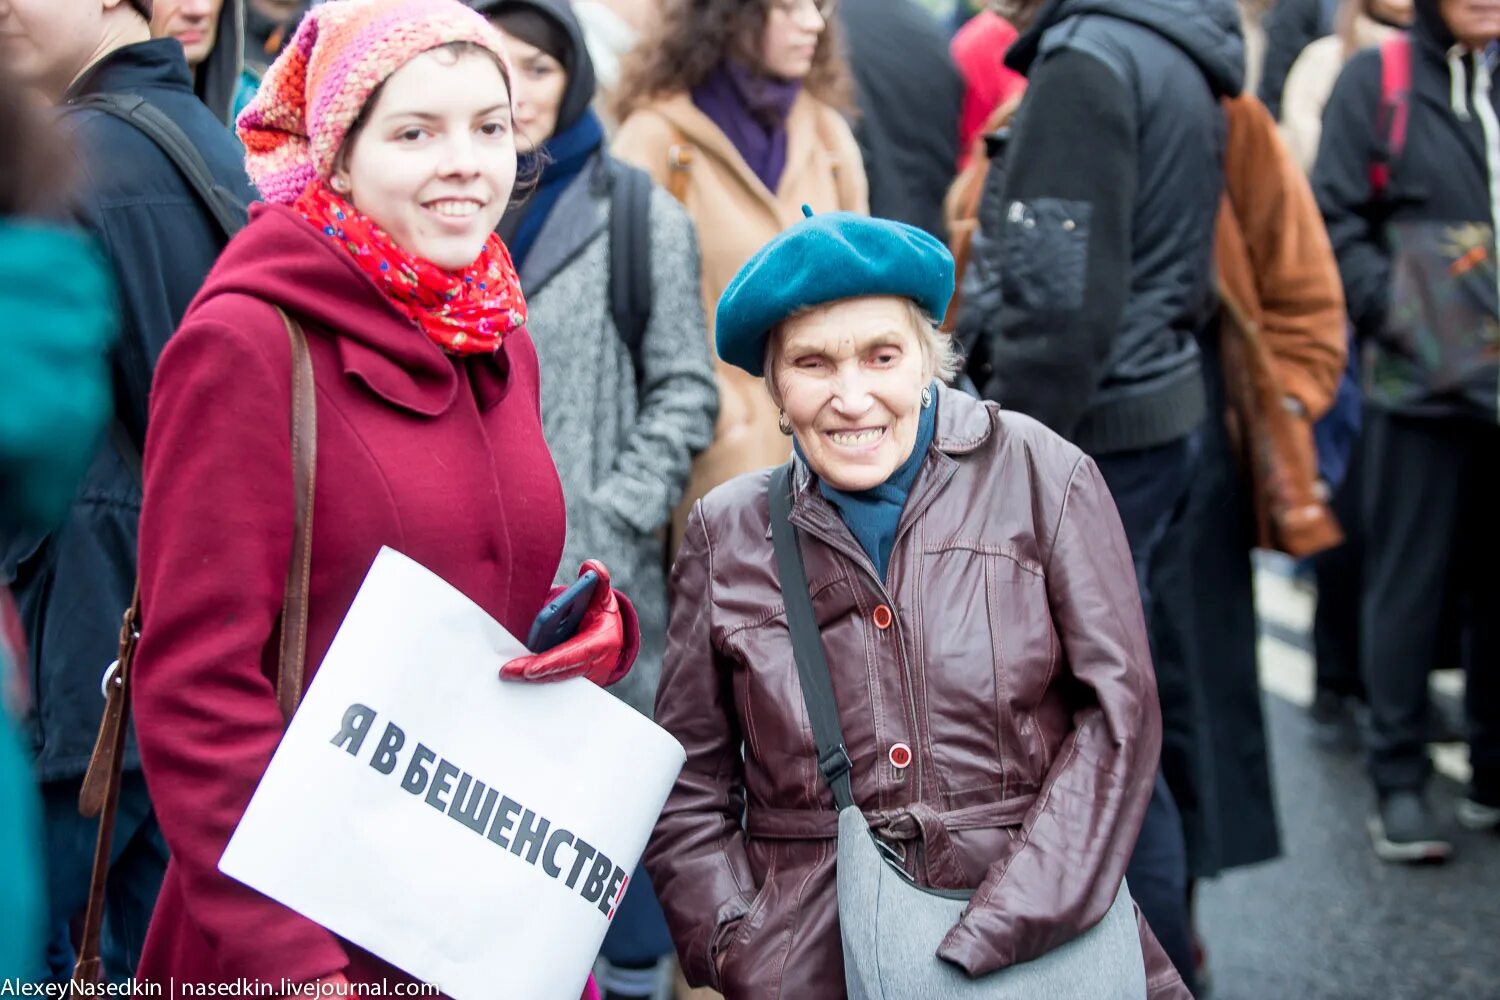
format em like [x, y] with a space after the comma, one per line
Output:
[918, 388]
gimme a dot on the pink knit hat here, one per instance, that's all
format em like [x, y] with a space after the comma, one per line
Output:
[317, 87]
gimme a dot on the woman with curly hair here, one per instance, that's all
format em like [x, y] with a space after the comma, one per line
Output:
[735, 106]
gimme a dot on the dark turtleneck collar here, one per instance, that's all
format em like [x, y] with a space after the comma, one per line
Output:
[872, 516]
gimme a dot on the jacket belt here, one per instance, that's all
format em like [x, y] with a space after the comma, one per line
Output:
[905, 823]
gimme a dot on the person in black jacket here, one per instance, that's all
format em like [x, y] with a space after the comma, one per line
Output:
[909, 94]
[73, 586]
[1102, 259]
[1414, 230]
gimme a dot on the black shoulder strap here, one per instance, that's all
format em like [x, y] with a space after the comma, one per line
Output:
[807, 643]
[630, 257]
[226, 209]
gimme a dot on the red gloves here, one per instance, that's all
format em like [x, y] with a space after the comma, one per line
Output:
[603, 650]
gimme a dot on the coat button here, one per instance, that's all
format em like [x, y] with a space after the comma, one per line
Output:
[883, 617]
[900, 755]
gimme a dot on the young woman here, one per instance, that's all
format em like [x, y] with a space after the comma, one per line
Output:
[734, 106]
[383, 142]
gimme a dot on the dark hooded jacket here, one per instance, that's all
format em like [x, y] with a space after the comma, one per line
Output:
[909, 95]
[1291, 25]
[1418, 258]
[1102, 222]
[73, 586]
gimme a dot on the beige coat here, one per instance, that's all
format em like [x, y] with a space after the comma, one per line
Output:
[1310, 82]
[736, 215]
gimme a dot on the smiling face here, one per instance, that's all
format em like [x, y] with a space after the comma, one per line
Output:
[1475, 23]
[850, 376]
[194, 23]
[540, 85]
[434, 161]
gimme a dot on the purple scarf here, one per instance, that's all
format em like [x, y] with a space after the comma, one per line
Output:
[751, 110]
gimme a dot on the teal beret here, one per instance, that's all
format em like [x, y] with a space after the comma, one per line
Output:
[826, 258]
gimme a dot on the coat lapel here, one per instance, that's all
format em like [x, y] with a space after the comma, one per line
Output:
[573, 223]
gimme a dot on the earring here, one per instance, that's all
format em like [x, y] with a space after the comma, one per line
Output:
[785, 424]
[340, 185]
[926, 397]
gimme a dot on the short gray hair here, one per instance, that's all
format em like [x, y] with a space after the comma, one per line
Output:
[939, 351]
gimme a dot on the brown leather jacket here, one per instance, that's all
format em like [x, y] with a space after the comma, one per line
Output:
[1006, 650]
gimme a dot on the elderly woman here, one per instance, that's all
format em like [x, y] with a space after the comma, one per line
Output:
[980, 617]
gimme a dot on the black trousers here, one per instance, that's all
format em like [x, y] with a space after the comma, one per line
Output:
[1431, 517]
[1339, 574]
[1148, 485]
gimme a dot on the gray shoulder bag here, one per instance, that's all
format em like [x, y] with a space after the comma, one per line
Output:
[891, 926]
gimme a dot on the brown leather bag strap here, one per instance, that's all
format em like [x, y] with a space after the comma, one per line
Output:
[304, 474]
[100, 794]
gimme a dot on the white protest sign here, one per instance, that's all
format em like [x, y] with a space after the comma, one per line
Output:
[477, 834]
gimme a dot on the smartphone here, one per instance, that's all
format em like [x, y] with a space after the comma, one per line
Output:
[558, 621]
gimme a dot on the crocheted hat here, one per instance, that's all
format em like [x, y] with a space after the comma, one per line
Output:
[318, 86]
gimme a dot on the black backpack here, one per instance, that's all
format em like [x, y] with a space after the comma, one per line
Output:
[630, 290]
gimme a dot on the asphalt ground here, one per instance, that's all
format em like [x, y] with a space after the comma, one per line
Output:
[1328, 921]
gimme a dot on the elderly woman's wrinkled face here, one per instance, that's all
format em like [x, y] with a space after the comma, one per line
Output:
[851, 375]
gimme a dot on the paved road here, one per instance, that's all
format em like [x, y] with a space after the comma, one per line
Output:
[1328, 921]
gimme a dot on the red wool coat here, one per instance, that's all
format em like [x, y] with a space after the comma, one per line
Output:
[441, 459]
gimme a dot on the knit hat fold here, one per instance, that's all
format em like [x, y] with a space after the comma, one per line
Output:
[316, 89]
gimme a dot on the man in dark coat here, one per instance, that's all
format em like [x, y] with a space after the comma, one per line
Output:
[73, 586]
[1414, 232]
[1103, 259]
[909, 95]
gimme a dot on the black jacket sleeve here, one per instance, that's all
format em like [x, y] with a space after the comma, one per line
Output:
[1341, 183]
[1290, 26]
[1064, 246]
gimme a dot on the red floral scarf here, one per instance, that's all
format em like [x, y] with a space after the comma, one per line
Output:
[464, 312]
